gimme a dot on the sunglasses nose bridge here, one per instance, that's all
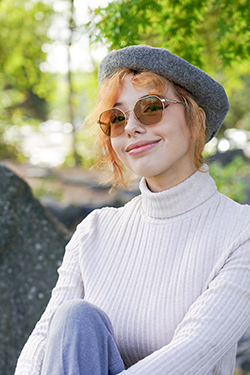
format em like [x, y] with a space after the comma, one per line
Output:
[125, 113]
[133, 125]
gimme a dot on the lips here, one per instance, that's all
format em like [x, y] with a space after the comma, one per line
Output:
[141, 146]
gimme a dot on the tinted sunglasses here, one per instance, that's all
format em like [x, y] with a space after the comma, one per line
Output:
[148, 110]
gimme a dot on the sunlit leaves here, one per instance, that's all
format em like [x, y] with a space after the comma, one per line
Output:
[232, 178]
[122, 23]
[23, 30]
[197, 30]
[23, 86]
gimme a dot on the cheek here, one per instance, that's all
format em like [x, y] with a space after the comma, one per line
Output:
[182, 131]
[186, 135]
[118, 148]
[175, 132]
[113, 144]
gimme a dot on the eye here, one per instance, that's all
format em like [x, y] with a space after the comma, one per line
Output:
[116, 119]
[152, 108]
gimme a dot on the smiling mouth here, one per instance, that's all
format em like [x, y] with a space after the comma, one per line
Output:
[139, 147]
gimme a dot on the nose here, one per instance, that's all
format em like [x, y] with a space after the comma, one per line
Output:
[133, 126]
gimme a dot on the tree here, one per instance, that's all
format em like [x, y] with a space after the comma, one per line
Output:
[24, 26]
[72, 28]
[66, 34]
[205, 32]
[24, 88]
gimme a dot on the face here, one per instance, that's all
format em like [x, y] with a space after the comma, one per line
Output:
[161, 153]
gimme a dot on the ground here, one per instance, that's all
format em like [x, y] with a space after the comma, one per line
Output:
[70, 185]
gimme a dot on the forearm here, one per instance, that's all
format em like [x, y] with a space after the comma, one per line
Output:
[211, 328]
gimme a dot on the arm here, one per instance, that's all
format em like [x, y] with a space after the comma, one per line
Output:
[69, 286]
[213, 324]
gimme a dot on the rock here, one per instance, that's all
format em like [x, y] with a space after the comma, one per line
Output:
[243, 352]
[71, 215]
[31, 249]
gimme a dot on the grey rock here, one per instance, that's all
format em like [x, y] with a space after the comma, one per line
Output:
[243, 352]
[32, 245]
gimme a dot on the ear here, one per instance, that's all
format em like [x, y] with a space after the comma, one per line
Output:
[203, 116]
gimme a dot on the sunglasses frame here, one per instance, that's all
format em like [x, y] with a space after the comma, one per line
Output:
[163, 101]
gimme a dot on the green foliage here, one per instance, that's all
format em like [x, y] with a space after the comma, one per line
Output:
[239, 114]
[85, 86]
[24, 88]
[8, 100]
[194, 29]
[231, 179]
[23, 31]
[127, 21]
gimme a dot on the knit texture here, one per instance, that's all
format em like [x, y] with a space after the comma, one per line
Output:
[171, 270]
[208, 93]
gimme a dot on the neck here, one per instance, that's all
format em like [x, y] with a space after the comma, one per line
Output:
[180, 199]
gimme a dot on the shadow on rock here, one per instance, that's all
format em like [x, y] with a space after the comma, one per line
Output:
[31, 249]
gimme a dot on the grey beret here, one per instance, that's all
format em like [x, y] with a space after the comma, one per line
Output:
[208, 93]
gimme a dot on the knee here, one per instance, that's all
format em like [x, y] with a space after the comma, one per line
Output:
[80, 311]
[72, 308]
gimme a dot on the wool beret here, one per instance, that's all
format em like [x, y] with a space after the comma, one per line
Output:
[208, 93]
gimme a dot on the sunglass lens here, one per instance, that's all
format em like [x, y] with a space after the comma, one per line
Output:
[149, 110]
[112, 122]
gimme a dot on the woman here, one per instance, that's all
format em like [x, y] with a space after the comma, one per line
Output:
[165, 279]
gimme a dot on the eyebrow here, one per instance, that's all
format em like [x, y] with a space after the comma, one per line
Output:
[119, 103]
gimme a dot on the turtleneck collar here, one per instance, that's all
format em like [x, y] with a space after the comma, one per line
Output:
[182, 198]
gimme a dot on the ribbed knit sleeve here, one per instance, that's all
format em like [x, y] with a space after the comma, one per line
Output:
[69, 286]
[212, 325]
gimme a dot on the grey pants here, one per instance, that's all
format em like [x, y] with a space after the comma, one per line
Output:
[81, 342]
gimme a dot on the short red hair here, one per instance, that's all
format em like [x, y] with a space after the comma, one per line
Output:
[108, 95]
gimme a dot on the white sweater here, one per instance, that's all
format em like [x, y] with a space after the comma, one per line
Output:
[172, 271]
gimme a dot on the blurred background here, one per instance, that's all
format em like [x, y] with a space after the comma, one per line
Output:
[49, 56]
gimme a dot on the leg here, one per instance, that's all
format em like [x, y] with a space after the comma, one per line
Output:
[81, 342]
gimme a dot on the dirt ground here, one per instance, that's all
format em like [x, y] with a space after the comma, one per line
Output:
[68, 185]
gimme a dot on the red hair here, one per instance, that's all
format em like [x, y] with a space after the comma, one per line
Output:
[110, 91]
